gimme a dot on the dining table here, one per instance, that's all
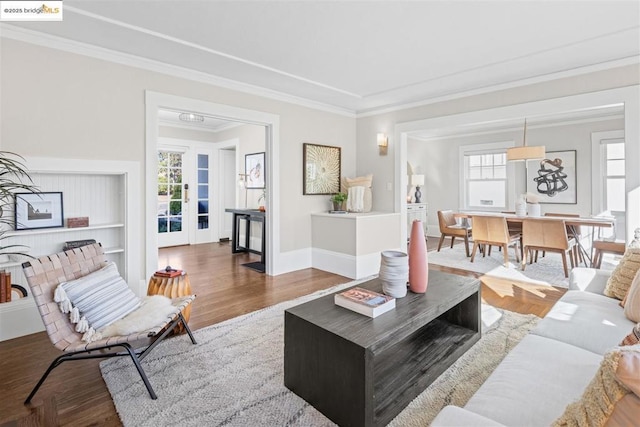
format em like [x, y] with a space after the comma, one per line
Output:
[570, 221]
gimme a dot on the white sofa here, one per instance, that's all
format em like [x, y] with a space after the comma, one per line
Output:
[551, 367]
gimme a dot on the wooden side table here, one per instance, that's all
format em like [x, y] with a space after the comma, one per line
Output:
[172, 287]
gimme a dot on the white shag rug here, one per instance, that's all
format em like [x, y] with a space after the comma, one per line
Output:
[547, 271]
[234, 375]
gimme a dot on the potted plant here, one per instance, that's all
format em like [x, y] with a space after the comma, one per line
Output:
[262, 198]
[338, 199]
[14, 178]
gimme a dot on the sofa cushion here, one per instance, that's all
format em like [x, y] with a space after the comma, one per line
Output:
[535, 382]
[590, 321]
[632, 300]
[588, 279]
[623, 274]
[453, 416]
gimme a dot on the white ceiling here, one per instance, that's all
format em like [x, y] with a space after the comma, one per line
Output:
[362, 56]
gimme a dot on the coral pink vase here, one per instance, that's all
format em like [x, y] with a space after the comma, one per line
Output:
[418, 263]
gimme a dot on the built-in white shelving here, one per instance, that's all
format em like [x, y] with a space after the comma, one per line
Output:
[100, 190]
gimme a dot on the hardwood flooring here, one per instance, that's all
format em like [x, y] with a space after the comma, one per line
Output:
[75, 394]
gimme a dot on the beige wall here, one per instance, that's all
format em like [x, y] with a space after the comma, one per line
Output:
[59, 104]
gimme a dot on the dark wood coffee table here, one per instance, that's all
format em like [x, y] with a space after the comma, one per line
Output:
[360, 371]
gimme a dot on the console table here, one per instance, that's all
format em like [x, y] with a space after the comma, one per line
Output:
[249, 216]
[360, 371]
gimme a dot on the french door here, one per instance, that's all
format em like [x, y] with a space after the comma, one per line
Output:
[173, 198]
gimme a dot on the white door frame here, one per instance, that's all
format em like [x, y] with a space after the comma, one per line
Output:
[155, 101]
[232, 143]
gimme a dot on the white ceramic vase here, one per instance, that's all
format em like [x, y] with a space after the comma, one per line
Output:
[394, 273]
[533, 209]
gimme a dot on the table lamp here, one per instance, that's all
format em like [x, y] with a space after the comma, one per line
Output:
[417, 181]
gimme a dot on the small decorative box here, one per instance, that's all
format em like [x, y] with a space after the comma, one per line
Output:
[81, 221]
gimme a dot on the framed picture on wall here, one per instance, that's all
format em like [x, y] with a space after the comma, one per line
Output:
[255, 170]
[321, 169]
[553, 179]
[38, 210]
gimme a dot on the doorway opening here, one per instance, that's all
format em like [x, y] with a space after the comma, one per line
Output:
[268, 125]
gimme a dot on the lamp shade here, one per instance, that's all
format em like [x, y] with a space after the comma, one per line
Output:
[417, 180]
[382, 140]
[526, 153]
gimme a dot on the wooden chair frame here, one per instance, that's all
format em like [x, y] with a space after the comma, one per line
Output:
[550, 236]
[46, 273]
[493, 231]
[449, 227]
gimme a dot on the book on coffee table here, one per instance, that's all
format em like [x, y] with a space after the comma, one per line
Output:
[365, 302]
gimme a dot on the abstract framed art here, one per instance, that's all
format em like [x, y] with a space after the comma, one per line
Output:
[38, 210]
[255, 170]
[553, 179]
[321, 169]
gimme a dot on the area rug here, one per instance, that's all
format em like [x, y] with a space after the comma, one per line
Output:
[234, 375]
[547, 271]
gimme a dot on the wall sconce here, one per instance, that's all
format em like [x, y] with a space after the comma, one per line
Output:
[242, 183]
[417, 181]
[383, 143]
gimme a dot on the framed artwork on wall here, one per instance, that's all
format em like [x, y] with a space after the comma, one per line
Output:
[255, 170]
[38, 210]
[553, 179]
[321, 169]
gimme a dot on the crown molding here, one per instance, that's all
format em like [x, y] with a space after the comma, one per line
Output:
[71, 46]
[55, 42]
[632, 60]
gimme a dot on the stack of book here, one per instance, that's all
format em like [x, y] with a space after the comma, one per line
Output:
[364, 301]
[5, 286]
[168, 272]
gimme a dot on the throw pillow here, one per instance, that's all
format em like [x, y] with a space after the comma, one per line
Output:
[361, 181]
[628, 372]
[632, 300]
[622, 276]
[96, 300]
[633, 338]
[599, 398]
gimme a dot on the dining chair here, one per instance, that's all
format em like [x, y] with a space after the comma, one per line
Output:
[493, 231]
[572, 231]
[449, 227]
[548, 235]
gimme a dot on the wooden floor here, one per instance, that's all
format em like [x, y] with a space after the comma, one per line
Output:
[75, 394]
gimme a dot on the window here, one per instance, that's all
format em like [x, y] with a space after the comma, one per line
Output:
[485, 181]
[614, 176]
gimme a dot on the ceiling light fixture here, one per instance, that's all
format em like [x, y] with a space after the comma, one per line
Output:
[190, 117]
[525, 152]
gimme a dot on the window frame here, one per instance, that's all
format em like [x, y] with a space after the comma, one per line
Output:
[483, 149]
